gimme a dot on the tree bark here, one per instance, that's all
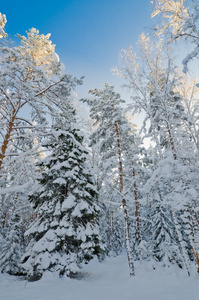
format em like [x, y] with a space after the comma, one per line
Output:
[172, 144]
[137, 211]
[7, 136]
[189, 220]
[127, 237]
[13, 116]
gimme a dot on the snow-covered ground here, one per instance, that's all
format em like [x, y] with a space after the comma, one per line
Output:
[109, 280]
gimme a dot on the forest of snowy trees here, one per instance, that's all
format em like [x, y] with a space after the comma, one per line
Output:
[69, 193]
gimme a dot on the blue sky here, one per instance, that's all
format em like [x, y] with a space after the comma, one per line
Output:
[88, 34]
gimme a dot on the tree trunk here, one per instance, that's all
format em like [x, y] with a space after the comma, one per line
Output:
[137, 212]
[13, 116]
[172, 144]
[189, 225]
[127, 237]
[7, 137]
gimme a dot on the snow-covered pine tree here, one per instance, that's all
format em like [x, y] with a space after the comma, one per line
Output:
[65, 231]
[115, 141]
[31, 78]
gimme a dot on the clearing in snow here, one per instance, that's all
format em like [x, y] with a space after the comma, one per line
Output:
[108, 280]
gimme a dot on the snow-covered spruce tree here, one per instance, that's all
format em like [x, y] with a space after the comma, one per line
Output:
[111, 220]
[12, 251]
[115, 141]
[165, 245]
[116, 232]
[65, 231]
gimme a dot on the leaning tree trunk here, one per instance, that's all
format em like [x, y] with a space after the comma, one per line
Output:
[124, 205]
[7, 136]
[16, 107]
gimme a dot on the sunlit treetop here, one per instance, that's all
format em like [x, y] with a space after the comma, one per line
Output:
[39, 48]
[181, 22]
[151, 56]
[174, 15]
[2, 25]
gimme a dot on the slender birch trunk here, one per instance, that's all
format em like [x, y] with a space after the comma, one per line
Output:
[126, 220]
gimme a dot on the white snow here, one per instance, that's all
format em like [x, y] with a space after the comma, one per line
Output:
[69, 202]
[109, 280]
[60, 181]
